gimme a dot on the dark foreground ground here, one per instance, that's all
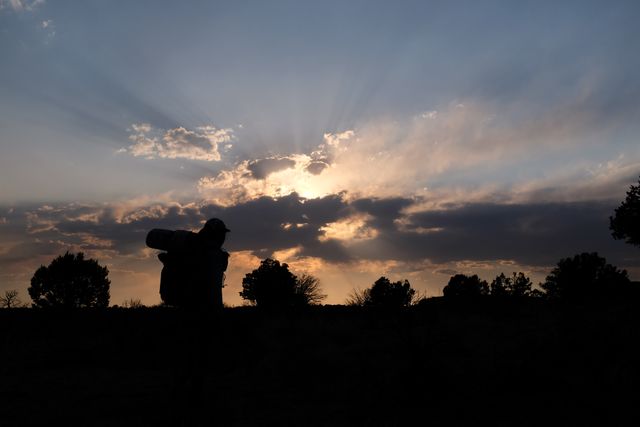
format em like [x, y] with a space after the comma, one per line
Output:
[510, 363]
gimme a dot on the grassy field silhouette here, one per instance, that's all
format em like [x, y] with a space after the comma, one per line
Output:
[442, 362]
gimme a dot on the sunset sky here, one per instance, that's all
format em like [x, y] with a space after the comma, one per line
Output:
[350, 139]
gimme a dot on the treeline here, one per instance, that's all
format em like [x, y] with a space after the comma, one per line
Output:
[583, 276]
[273, 286]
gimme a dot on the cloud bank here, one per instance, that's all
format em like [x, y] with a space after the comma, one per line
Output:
[337, 229]
[346, 241]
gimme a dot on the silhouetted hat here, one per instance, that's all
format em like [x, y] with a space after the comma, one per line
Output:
[215, 225]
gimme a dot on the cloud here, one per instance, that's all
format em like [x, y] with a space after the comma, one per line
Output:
[429, 114]
[334, 228]
[141, 127]
[249, 180]
[266, 224]
[529, 234]
[335, 139]
[199, 144]
[348, 242]
[278, 176]
[21, 5]
[447, 271]
[316, 167]
[351, 229]
[262, 168]
[117, 231]
[49, 28]
[581, 181]
[464, 152]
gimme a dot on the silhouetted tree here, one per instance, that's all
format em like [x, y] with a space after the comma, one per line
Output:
[384, 293]
[625, 224]
[10, 299]
[586, 275]
[70, 281]
[308, 290]
[518, 285]
[273, 285]
[521, 285]
[463, 286]
[501, 286]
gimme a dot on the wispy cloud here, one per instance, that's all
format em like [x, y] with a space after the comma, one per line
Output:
[462, 152]
[202, 143]
[49, 28]
[305, 174]
[21, 5]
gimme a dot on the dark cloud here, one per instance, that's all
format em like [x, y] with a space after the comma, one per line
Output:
[283, 223]
[529, 234]
[262, 226]
[95, 227]
[329, 250]
[262, 168]
[446, 271]
[383, 211]
[316, 167]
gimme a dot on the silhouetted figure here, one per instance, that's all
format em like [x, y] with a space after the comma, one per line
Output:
[192, 279]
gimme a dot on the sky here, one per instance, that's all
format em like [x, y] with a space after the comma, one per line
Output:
[349, 139]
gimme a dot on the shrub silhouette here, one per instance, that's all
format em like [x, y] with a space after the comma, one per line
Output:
[358, 297]
[133, 303]
[584, 276]
[308, 290]
[463, 286]
[384, 293]
[518, 285]
[625, 224]
[272, 285]
[70, 281]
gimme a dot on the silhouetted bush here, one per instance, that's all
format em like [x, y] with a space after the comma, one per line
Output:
[70, 281]
[133, 303]
[273, 285]
[584, 276]
[384, 293]
[463, 286]
[358, 297]
[625, 224]
[518, 285]
[308, 290]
